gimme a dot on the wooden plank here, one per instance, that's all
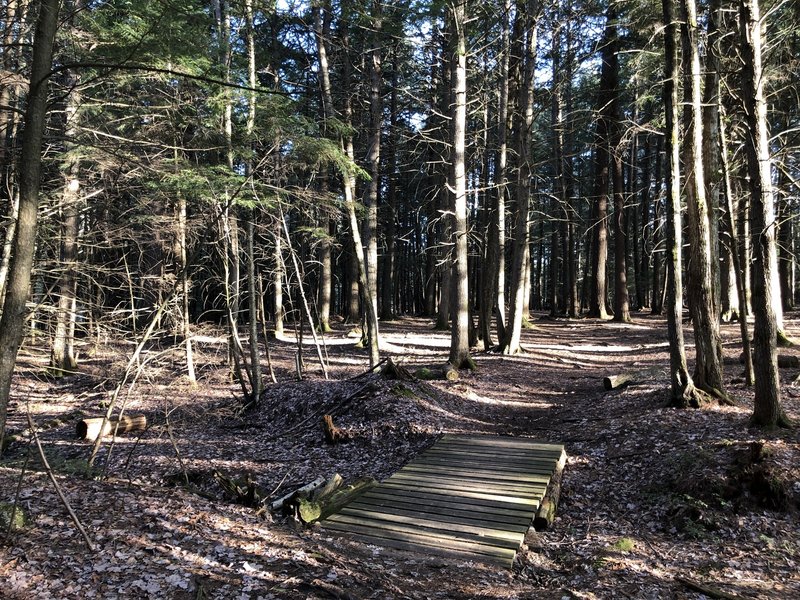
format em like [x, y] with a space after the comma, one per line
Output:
[476, 512]
[444, 500]
[471, 521]
[538, 468]
[521, 501]
[432, 529]
[433, 505]
[477, 474]
[500, 442]
[465, 484]
[470, 497]
[516, 458]
[497, 453]
[429, 549]
[426, 540]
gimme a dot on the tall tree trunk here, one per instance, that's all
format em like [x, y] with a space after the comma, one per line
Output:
[328, 224]
[702, 273]
[62, 353]
[459, 336]
[277, 277]
[390, 208]
[681, 385]
[373, 154]
[613, 115]
[250, 233]
[528, 12]
[656, 307]
[735, 253]
[608, 75]
[767, 411]
[368, 305]
[12, 321]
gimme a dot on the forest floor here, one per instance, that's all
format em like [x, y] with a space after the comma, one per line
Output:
[656, 502]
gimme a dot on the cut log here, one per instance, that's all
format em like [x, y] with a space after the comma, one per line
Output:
[90, 429]
[547, 509]
[317, 510]
[333, 435]
[333, 484]
[450, 373]
[785, 361]
[613, 382]
[306, 489]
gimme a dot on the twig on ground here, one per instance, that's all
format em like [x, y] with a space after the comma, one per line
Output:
[15, 504]
[53, 479]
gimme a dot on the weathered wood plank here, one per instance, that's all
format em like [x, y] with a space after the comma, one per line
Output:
[500, 442]
[466, 484]
[433, 530]
[477, 473]
[394, 504]
[468, 497]
[503, 456]
[467, 520]
[434, 550]
[538, 467]
[445, 501]
[427, 540]
[429, 505]
[511, 500]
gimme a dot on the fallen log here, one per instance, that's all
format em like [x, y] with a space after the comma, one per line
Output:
[637, 375]
[450, 373]
[613, 382]
[785, 361]
[318, 509]
[547, 509]
[90, 429]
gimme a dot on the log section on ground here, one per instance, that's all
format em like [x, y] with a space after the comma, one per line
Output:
[91, 429]
[467, 497]
[640, 374]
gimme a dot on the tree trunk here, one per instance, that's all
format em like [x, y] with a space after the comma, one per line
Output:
[767, 410]
[13, 319]
[388, 287]
[602, 153]
[613, 114]
[62, 354]
[702, 272]
[522, 134]
[373, 158]
[681, 384]
[459, 337]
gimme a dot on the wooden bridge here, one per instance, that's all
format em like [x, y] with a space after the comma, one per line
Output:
[467, 497]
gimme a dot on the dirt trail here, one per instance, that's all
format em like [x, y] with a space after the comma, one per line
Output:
[654, 499]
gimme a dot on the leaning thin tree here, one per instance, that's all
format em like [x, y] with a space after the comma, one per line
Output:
[13, 320]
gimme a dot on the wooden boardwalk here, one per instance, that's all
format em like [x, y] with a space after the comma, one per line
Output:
[467, 497]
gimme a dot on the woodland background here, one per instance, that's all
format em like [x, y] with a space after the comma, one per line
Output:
[189, 188]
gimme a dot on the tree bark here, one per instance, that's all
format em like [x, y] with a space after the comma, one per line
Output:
[681, 384]
[702, 272]
[523, 120]
[459, 336]
[13, 319]
[767, 410]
